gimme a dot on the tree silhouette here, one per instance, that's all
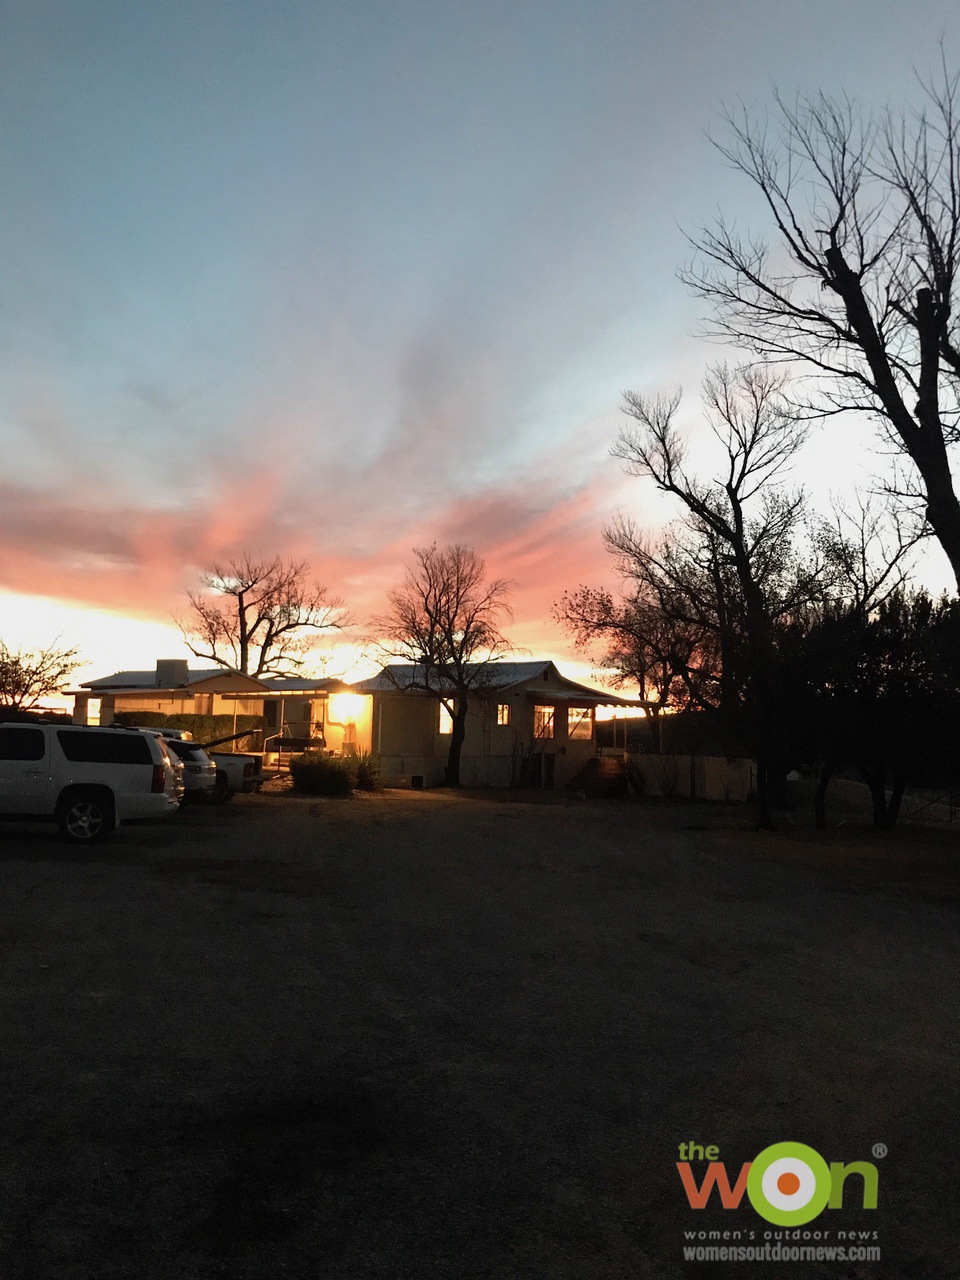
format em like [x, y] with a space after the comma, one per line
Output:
[445, 621]
[259, 615]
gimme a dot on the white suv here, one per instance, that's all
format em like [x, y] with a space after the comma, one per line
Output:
[85, 779]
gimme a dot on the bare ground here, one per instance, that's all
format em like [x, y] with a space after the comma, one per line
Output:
[449, 1036]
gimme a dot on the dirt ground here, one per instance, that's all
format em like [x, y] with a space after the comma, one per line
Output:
[453, 1036]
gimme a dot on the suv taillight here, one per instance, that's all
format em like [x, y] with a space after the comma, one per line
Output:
[159, 777]
[248, 769]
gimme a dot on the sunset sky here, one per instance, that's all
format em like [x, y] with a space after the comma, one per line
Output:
[339, 279]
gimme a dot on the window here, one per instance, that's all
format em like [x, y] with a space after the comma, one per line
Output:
[203, 704]
[21, 744]
[112, 747]
[579, 723]
[446, 720]
[186, 750]
[503, 713]
[543, 722]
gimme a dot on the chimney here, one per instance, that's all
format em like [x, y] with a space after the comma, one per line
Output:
[172, 673]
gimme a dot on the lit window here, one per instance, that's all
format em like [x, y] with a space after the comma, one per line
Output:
[446, 720]
[503, 713]
[543, 722]
[579, 723]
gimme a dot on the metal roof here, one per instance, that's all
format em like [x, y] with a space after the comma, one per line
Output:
[305, 684]
[148, 679]
[269, 684]
[580, 695]
[405, 676]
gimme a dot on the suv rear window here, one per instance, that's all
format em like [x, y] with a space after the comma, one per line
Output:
[112, 747]
[21, 744]
[185, 750]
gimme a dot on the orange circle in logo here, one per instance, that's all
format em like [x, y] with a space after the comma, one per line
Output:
[788, 1184]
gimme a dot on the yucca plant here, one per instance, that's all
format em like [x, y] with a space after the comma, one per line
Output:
[367, 770]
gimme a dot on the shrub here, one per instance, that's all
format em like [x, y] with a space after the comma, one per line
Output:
[316, 775]
[667, 772]
[204, 728]
[149, 719]
[367, 770]
[635, 777]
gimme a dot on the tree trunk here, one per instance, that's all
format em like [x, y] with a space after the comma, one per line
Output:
[885, 813]
[820, 795]
[943, 508]
[927, 446]
[923, 437]
[896, 799]
[764, 815]
[876, 781]
[654, 713]
[452, 770]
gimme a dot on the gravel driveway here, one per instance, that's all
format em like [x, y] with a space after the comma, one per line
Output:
[441, 1036]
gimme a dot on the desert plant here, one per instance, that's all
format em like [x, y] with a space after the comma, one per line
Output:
[668, 776]
[317, 775]
[635, 777]
[367, 772]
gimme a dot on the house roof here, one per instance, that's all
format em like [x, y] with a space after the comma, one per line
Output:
[269, 684]
[580, 695]
[552, 683]
[148, 679]
[400, 676]
[305, 684]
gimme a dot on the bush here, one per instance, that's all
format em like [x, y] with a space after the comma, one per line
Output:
[203, 728]
[316, 775]
[367, 771]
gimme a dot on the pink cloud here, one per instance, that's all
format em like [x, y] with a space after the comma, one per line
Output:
[93, 543]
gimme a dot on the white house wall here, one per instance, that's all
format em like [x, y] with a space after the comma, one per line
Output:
[407, 739]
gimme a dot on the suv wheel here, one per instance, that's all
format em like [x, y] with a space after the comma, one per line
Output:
[86, 817]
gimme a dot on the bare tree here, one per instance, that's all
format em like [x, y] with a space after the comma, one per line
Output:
[636, 642]
[647, 638]
[27, 676]
[733, 566]
[868, 546]
[859, 285]
[445, 621]
[258, 615]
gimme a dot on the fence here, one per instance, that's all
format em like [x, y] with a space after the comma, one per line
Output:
[731, 781]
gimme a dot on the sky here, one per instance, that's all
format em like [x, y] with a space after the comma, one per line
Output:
[335, 280]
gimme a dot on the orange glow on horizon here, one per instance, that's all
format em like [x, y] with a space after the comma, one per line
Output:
[110, 641]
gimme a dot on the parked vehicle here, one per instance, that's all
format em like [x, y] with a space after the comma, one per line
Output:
[199, 771]
[235, 773]
[176, 768]
[85, 779]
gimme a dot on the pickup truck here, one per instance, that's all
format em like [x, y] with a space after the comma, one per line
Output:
[235, 773]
